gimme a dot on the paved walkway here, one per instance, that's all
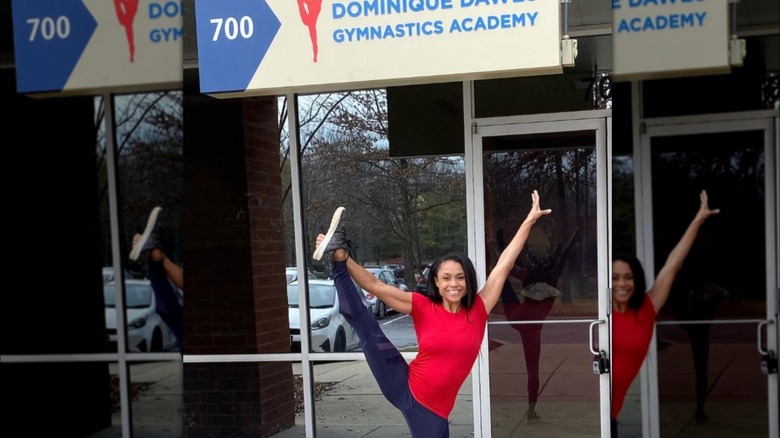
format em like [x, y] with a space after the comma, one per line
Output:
[568, 404]
[354, 406]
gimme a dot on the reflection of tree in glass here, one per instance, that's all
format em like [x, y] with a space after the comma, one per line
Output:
[148, 131]
[623, 217]
[567, 179]
[723, 163]
[402, 207]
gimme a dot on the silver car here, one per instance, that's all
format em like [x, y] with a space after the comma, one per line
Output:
[379, 308]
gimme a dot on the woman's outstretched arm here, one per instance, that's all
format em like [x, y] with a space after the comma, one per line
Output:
[394, 297]
[495, 281]
[659, 292]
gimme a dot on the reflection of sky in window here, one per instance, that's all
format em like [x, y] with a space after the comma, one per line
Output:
[136, 117]
[318, 116]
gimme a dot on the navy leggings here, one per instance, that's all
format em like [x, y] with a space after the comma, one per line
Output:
[168, 306]
[386, 362]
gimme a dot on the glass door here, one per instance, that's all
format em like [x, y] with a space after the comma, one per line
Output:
[705, 376]
[550, 323]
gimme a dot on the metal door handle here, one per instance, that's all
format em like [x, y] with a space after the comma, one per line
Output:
[590, 335]
[759, 336]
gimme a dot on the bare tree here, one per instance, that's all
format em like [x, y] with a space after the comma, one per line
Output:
[346, 161]
[148, 131]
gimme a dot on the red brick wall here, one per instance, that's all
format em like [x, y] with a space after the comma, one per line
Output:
[266, 234]
[235, 296]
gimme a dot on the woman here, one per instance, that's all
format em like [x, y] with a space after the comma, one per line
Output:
[539, 281]
[450, 325]
[634, 313]
[163, 274]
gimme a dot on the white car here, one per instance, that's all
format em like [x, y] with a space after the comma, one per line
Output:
[330, 332]
[146, 331]
[292, 274]
[109, 275]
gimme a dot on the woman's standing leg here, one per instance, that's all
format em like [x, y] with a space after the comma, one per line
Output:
[386, 362]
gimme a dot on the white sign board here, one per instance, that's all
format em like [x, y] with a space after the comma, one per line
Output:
[276, 46]
[667, 38]
[91, 46]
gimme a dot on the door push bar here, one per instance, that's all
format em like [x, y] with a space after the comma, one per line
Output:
[600, 360]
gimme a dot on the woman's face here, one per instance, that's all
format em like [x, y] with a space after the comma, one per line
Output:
[451, 281]
[622, 282]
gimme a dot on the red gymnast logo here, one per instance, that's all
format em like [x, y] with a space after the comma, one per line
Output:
[310, 10]
[125, 13]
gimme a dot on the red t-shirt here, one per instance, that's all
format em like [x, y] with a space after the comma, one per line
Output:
[448, 346]
[631, 334]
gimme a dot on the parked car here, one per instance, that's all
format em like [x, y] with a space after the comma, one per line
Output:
[330, 332]
[378, 307]
[109, 274]
[292, 274]
[398, 269]
[146, 331]
[422, 280]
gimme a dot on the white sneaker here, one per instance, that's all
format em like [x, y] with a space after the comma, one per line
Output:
[331, 243]
[148, 231]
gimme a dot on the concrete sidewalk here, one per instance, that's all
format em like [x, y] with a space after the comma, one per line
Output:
[157, 411]
[568, 402]
[353, 406]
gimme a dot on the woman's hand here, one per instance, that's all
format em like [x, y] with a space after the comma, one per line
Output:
[536, 212]
[704, 210]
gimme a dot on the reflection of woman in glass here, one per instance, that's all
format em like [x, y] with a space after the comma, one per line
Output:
[125, 13]
[700, 303]
[164, 275]
[540, 280]
[634, 312]
[310, 11]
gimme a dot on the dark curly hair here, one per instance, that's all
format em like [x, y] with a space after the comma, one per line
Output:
[640, 286]
[471, 279]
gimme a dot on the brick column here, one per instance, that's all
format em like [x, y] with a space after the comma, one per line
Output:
[235, 295]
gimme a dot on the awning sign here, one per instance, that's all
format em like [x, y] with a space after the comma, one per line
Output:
[276, 46]
[90, 46]
[667, 38]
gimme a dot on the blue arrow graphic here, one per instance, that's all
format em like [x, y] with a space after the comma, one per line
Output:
[233, 38]
[49, 38]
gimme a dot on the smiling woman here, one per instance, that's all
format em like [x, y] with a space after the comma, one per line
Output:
[450, 323]
[635, 311]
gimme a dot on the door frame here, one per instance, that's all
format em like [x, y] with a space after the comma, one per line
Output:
[599, 121]
[767, 121]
